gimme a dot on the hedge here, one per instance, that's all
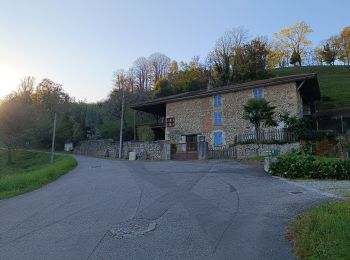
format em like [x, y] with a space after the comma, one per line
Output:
[295, 165]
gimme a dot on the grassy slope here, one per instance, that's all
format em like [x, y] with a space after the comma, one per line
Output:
[322, 233]
[334, 83]
[30, 171]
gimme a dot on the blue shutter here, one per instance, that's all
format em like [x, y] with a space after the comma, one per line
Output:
[217, 118]
[217, 101]
[258, 93]
[217, 138]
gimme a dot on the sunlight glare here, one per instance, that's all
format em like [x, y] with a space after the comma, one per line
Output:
[9, 79]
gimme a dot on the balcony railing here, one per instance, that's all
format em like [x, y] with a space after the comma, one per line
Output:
[266, 136]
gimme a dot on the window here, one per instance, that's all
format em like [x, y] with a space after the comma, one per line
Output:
[170, 121]
[217, 118]
[217, 101]
[258, 93]
[217, 138]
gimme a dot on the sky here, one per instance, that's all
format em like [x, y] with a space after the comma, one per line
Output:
[79, 44]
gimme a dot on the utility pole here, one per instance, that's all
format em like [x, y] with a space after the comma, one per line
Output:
[53, 138]
[135, 115]
[121, 125]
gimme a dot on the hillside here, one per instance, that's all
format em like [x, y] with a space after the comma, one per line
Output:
[334, 83]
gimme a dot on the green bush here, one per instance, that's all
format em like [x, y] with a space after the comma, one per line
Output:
[145, 133]
[295, 165]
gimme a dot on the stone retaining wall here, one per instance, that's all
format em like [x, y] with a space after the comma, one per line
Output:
[244, 151]
[158, 150]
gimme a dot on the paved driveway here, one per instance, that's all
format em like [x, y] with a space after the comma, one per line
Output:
[107, 209]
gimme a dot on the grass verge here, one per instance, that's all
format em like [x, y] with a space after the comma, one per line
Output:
[30, 171]
[322, 233]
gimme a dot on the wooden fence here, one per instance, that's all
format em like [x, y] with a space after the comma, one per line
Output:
[222, 153]
[269, 136]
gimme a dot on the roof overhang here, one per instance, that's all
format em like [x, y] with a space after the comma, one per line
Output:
[307, 84]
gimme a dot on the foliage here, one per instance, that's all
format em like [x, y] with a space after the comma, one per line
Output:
[294, 39]
[295, 165]
[145, 133]
[328, 54]
[234, 60]
[295, 58]
[15, 120]
[30, 171]
[344, 44]
[250, 61]
[259, 112]
[322, 233]
[297, 125]
[163, 88]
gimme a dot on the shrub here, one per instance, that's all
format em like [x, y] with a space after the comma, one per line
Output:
[295, 165]
[145, 133]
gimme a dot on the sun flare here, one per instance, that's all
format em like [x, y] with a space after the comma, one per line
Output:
[9, 79]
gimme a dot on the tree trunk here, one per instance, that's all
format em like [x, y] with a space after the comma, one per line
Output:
[257, 130]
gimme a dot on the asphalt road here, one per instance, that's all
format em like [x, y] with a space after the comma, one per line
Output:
[108, 209]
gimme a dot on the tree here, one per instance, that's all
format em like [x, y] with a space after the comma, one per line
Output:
[190, 76]
[159, 66]
[329, 55]
[50, 97]
[294, 39]
[250, 61]
[141, 73]
[15, 120]
[277, 56]
[344, 44]
[163, 88]
[259, 112]
[26, 89]
[219, 59]
[318, 55]
[300, 126]
[145, 133]
[295, 58]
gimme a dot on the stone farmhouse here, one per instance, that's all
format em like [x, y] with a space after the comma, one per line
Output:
[215, 114]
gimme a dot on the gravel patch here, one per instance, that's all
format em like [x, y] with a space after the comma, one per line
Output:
[337, 188]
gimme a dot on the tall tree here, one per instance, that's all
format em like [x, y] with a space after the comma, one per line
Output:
[26, 89]
[329, 54]
[159, 66]
[294, 39]
[15, 120]
[219, 59]
[278, 56]
[250, 61]
[318, 55]
[141, 73]
[163, 88]
[344, 44]
[50, 97]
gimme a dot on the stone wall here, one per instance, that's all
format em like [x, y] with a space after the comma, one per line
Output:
[99, 148]
[244, 151]
[195, 116]
[158, 150]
